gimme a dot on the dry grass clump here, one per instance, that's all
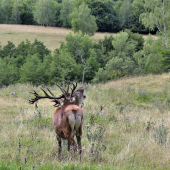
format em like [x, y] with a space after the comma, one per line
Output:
[126, 126]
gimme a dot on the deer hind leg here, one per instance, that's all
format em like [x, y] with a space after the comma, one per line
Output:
[59, 147]
[74, 144]
[71, 142]
[78, 136]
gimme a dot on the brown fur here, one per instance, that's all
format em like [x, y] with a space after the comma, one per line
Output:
[67, 123]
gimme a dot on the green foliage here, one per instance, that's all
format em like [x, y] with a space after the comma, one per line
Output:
[15, 17]
[80, 47]
[77, 44]
[93, 67]
[57, 22]
[126, 54]
[150, 59]
[24, 48]
[32, 71]
[8, 50]
[44, 12]
[124, 14]
[157, 15]
[166, 59]
[26, 14]
[102, 49]
[37, 47]
[136, 37]
[66, 9]
[9, 71]
[137, 8]
[105, 15]
[122, 62]
[82, 20]
[63, 67]
[5, 11]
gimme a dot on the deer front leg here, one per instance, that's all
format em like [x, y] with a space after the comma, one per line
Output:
[59, 147]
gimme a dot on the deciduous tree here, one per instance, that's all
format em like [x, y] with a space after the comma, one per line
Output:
[44, 12]
[82, 20]
[157, 14]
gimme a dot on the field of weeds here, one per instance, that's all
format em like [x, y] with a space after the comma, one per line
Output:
[126, 126]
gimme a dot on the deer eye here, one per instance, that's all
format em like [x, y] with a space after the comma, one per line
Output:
[77, 93]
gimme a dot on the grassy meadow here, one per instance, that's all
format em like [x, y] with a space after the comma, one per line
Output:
[130, 132]
[52, 37]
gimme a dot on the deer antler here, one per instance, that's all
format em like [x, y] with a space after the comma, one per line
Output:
[38, 97]
[65, 95]
[74, 87]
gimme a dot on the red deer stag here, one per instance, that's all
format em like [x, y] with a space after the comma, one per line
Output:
[68, 117]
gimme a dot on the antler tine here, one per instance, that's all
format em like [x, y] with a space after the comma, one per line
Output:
[59, 97]
[45, 92]
[67, 86]
[34, 93]
[50, 92]
[74, 87]
[62, 90]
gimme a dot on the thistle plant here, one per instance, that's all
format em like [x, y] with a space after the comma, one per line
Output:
[161, 133]
[25, 162]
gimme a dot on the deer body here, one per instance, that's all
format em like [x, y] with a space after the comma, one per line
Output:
[67, 122]
[68, 118]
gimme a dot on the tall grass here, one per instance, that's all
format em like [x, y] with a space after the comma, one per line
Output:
[126, 126]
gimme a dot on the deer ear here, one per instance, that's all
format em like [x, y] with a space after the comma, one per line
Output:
[77, 93]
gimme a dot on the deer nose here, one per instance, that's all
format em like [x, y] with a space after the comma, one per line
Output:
[82, 104]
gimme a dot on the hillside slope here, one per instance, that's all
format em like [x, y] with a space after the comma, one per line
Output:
[129, 132]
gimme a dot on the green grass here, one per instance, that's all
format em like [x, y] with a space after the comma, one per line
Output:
[131, 132]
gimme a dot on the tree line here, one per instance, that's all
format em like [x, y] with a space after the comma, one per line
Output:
[126, 54]
[85, 15]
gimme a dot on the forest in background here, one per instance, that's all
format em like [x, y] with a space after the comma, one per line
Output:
[126, 54]
[86, 15]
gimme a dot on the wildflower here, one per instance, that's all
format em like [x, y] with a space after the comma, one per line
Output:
[104, 146]
[26, 161]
